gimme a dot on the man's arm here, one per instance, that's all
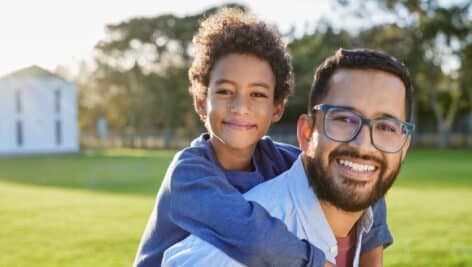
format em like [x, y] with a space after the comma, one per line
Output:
[378, 238]
[372, 258]
[205, 204]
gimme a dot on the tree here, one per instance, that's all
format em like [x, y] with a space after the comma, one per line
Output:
[444, 33]
[144, 62]
[308, 52]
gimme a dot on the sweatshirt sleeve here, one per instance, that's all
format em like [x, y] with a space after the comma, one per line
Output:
[380, 234]
[205, 204]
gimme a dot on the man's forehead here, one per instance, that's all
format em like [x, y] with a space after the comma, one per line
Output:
[372, 92]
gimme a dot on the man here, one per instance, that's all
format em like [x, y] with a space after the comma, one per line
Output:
[353, 140]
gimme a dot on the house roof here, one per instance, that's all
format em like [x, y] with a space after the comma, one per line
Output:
[31, 71]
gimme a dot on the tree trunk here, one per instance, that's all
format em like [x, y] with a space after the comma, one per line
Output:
[444, 122]
[444, 130]
[414, 119]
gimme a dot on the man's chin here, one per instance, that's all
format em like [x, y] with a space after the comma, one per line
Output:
[352, 205]
[351, 195]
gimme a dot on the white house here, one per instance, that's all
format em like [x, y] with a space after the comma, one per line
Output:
[38, 113]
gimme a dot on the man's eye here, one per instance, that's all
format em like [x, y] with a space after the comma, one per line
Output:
[346, 119]
[387, 128]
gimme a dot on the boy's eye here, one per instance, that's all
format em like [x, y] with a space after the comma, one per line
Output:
[223, 91]
[258, 94]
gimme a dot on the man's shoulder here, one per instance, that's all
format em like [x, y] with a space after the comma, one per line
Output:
[262, 192]
[275, 157]
[194, 251]
[274, 196]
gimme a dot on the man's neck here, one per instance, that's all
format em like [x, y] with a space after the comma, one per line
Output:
[340, 221]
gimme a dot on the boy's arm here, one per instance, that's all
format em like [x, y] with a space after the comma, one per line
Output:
[205, 204]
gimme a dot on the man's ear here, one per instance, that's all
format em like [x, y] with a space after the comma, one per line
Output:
[304, 131]
[279, 108]
[405, 148]
[199, 103]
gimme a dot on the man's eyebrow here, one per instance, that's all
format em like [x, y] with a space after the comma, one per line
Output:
[381, 115]
[387, 115]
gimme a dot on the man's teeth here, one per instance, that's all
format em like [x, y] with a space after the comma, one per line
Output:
[356, 166]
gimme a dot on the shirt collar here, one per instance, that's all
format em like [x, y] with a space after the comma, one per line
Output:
[309, 209]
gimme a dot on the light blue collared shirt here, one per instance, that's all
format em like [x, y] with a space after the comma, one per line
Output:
[288, 197]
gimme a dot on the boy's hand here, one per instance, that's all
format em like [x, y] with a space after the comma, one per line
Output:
[372, 258]
[329, 264]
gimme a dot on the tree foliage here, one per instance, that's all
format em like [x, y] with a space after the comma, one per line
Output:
[140, 79]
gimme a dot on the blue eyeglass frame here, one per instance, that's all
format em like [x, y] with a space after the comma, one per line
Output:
[364, 121]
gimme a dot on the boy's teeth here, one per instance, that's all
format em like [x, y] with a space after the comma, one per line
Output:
[356, 166]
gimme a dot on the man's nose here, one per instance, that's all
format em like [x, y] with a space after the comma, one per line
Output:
[363, 140]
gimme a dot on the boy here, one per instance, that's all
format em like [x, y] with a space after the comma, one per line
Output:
[240, 80]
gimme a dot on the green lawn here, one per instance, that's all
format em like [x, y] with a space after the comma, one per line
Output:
[90, 209]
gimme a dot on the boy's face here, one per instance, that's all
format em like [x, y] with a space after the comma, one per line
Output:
[374, 94]
[239, 106]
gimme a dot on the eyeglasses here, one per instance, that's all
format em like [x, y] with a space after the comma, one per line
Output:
[342, 124]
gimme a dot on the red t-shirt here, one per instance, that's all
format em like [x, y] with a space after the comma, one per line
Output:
[346, 250]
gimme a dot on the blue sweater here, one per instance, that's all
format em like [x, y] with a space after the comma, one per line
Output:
[198, 196]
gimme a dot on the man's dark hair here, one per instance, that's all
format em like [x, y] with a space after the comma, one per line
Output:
[359, 59]
[232, 30]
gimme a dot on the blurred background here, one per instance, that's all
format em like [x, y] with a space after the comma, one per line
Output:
[94, 103]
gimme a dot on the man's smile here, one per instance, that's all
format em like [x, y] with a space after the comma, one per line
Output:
[355, 169]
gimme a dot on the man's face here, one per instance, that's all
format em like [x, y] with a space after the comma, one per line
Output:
[354, 175]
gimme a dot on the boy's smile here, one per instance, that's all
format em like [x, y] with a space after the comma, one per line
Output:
[239, 106]
[239, 125]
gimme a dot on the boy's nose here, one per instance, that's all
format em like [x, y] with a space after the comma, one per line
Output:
[240, 105]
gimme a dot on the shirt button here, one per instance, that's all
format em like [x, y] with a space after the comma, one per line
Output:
[333, 249]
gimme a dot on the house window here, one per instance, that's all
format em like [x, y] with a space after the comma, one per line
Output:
[18, 101]
[57, 100]
[19, 133]
[58, 132]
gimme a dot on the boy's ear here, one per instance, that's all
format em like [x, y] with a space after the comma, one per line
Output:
[199, 104]
[279, 108]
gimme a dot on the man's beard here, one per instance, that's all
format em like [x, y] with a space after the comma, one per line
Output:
[346, 196]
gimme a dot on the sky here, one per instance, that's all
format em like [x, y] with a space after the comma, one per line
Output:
[51, 32]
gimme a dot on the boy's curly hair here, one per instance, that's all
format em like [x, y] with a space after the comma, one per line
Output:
[232, 30]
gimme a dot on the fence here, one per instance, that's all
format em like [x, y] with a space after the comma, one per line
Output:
[148, 141]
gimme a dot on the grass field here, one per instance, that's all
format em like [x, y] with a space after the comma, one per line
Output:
[90, 209]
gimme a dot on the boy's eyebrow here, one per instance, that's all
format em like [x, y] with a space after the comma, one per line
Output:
[261, 84]
[220, 81]
[258, 84]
